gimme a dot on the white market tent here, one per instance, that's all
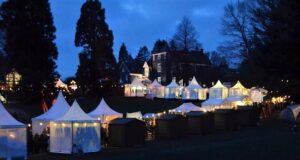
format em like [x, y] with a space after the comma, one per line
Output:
[290, 113]
[218, 91]
[239, 101]
[186, 107]
[172, 90]
[257, 94]
[75, 129]
[211, 104]
[238, 90]
[104, 113]
[137, 115]
[156, 89]
[150, 115]
[194, 91]
[135, 89]
[13, 139]
[59, 108]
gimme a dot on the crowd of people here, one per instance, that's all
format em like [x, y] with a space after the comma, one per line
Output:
[38, 143]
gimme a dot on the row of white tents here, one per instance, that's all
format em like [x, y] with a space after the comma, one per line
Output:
[217, 93]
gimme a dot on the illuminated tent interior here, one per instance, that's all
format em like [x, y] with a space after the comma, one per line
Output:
[13, 139]
[60, 84]
[75, 129]
[238, 90]
[156, 89]
[137, 115]
[172, 90]
[290, 113]
[135, 89]
[59, 108]
[212, 104]
[104, 113]
[194, 91]
[257, 94]
[218, 91]
[150, 115]
[186, 107]
[239, 101]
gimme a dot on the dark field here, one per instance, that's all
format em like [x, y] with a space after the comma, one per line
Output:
[273, 140]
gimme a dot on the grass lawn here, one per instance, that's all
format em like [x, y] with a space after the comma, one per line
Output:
[273, 140]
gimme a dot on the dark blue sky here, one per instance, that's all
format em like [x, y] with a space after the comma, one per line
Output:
[137, 23]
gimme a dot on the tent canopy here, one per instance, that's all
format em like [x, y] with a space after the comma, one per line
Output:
[213, 102]
[290, 113]
[59, 108]
[155, 84]
[103, 110]
[150, 115]
[75, 113]
[137, 115]
[235, 98]
[173, 84]
[8, 121]
[238, 85]
[136, 83]
[193, 84]
[219, 85]
[186, 107]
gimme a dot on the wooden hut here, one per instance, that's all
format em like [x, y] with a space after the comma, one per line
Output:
[200, 122]
[225, 119]
[170, 127]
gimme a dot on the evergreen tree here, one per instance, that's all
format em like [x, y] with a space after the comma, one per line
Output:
[124, 55]
[29, 36]
[142, 57]
[160, 46]
[94, 35]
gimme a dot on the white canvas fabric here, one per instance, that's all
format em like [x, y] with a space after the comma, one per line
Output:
[186, 107]
[218, 91]
[211, 104]
[75, 128]
[194, 91]
[137, 115]
[156, 90]
[172, 90]
[238, 90]
[13, 139]
[59, 108]
[104, 112]
[135, 89]
[290, 113]
[258, 94]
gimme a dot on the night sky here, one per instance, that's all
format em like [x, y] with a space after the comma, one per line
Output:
[137, 23]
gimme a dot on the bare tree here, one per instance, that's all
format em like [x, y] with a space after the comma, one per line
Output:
[236, 26]
[186, 35]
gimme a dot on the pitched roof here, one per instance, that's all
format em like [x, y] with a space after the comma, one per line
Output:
[173, 84]
[136, 83]
[75, 113]
[218, 85]
[193, 85]
[186, 107]
[58, 109]
[7, 120]
[103, 110]
[155, 84]
[238, 85]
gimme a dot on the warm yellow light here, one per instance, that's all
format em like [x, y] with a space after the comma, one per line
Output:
[95, 124]
[63, 124]
[55, 124]
[29, 125]
[76, 124]
[12, 136]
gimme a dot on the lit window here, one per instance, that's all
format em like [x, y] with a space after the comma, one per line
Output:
[159, 79]
[158, 67]
[159, 56]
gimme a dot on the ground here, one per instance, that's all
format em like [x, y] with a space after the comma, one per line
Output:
[273, 140]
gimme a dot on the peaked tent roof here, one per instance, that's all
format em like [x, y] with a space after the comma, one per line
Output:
[58, 109]
[213, 102]
[155, 84]
[7, 120]
[218, 85]
[136, 83]
[173, 84]
[103, 110]
[238, 85]
[145, 65]
[75, 113]
[187, 107]
[193, 84]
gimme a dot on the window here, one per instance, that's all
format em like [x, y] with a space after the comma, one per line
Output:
[158, 67]
[159, 56]
[159, 79]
